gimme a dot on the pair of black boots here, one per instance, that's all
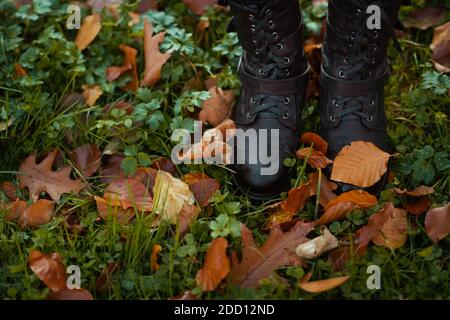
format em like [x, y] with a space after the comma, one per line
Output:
[274, 74]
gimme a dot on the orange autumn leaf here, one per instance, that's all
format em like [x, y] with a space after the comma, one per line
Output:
[336, 212]
[108, 209]
[418, 207]
[70, 294]
[91, 94]
[130, 193]
[20, 71]
[326, 187]
[417, 192]
[361, 164]
[437, 223]
[154, 59]
[38, 213]
[9, 189]
[314, 140]
[188, 214]
[154, 265]
[87, 158]
[15, 210]
[393, 234]
[128, 66]
[199, 6]
[316, 159]
[202, 186]
[40, 177]
[218, 107]
[216, 266]
[323, 285]
[89, 30]
[49, 268]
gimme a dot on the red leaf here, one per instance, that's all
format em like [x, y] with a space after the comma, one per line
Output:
[88, 159]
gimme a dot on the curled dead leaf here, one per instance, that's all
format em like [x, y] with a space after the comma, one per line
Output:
[417, 192]
[323, 285]
[216, 266]
[154, 265]
[89, 30]
[316, 159]
[10, 190]
[314, 140]
[15, 210]
[317, 246]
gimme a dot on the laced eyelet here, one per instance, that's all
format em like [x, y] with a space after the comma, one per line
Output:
[347, 60]
[269, 12]
[286, 60]
[261, 72]
[286, 100]
[332, 118]
[341, 74]
[335, 103]
[249, 115]
[253, 28]
[286, 116]
[280, 47]
[251, 17]
[252, 100]
[369, 118]
[271, 24]
[275, 35]
[358, 12]
[352, 38]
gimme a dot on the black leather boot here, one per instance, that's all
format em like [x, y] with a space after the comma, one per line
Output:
[354, 72]
[274, 74]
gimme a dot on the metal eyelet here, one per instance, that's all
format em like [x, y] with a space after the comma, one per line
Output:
[261, 72]
[252, 100]
[332, 118]
[369, 118]
[251, 17]
[253, 28]
[249, 115]
[372, 103]
[374, 61]
[287, 60]
[268, 12]
[335, 103]
[271, 24]
[286, 100]
[350, 45]
[358, 12]
[280, 47]
[275, 35]
[254, 41]
[286, 116]
[347, 60]
[341, 74]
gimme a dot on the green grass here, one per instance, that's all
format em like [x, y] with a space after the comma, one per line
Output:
[42, 120]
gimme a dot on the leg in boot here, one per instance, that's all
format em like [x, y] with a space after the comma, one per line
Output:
[354, 72]
[274, 75]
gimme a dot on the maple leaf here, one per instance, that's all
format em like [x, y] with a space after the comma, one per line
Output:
[216, 266]
[40, 177]
[154, 59]
[89, 30]
[278, 250]
[437, 223]
[88, 159]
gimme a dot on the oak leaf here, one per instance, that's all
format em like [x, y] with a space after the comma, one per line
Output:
[216, 266]
[259, 262]
[323, 285]
[154, 59]
[218, 107]
[89, 30]
[40, 177]
[87, 158]
[361, 164]
[49, 268]
[437, 223]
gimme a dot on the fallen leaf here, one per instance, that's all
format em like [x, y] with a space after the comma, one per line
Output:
[113, 209]
[361, 164]
[130, 193]
[128, 66]
[15, 210]
[314, 140]
[326, 187]
[104, 280]
[418, 207]
[316, 247]
[440, 47]
[91, 94]
[437, 223]
[164, 164]
[49, 268]
[323, 285]
[154, 265]
[154, 59]
[202, 186]
[339, 257]
[112, 169]
[89, 30]
[199, 6]
[87, 158]
[188, 214]
[170, 194]
[218, 107]
[417, 192]
[216, 266]
[336, 212]
[259, 262]
[38, 213]
[70, 294]
[393, 234]
[10, 190]
[40, 177]
[424, 18]
[145, 5]
[316, 159]
[19, 70]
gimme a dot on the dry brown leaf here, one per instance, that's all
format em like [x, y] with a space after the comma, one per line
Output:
[417, 192]
[91, 94]
[316, 159]
[154, 265]
[393, 234]
[104, 280]
[437, 223]
[424, 18]
[317, 246]
[10, 190]
[38, 213]
[164, 164]
[361, 164]
[40, 177]
[326, 187]
[87, 158]
[199, 6]
[170, 195]
[216, 266]
[441, 48]
[154, 59]
[15, 210]
[89, 30]
[188, 214]
[202, 186]
[49, 268]
[145, 5]
[128, 66]
[113, 209]
[70, 294]
[360, 197]
[130, 193]
[218, 107]
[323, 285]
[19, 70]
[336, 212]
[259, 262]
[339, 257]
[314, 140]
[418, 207]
